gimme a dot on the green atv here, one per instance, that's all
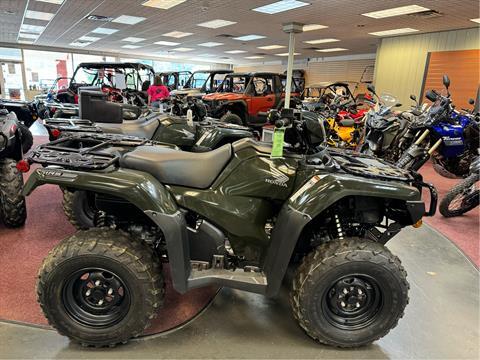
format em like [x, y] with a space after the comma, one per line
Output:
[231, 217]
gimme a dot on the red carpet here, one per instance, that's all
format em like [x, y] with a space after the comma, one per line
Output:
[22, 251]
[462, 230]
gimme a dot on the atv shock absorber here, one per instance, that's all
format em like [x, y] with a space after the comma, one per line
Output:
[339, 227]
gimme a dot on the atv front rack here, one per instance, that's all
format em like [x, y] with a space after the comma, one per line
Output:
[87, 151]
[71, 125]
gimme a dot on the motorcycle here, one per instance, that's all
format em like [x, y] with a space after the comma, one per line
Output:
[447, 136]
[464, 196]
[231, 217]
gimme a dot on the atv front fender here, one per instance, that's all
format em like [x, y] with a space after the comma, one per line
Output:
[142, 190]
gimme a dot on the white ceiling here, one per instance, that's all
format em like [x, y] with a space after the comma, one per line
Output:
[343, 18]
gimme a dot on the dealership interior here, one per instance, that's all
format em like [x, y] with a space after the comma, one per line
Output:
[239, 179]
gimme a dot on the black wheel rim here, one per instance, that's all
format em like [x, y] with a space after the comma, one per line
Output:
[96, 297]
[352, 302]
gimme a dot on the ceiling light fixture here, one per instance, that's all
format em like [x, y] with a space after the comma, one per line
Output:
[182, 49]
[254, 57]
[271, 47]
[133, 39]
[163, 4]
[249, 37]
[217, 23]
[52, 1]
[89, 38]
[312, 27]
[130, 46]
[393, 32]
[28, 36]
[402, 10]
[286, 54]
[129, 20]
[235, 51]
[25, 41]
[280, 6]
[476, 20]
[36, 29]
[79, 44]
[177, 34]
[320, 41]
[104, 31]
[210, 44]
[38, 15]
[167, 43]
[331, 50]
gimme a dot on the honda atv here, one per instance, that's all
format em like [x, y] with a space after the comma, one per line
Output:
[231, 217]
[13, 212]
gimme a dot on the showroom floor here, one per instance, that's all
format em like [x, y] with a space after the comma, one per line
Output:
[440, 321]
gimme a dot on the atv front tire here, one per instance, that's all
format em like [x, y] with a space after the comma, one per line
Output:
[79, 209]
[13, 211]
[349, 293]
[457, 194]
[231, 118]
[100, 288]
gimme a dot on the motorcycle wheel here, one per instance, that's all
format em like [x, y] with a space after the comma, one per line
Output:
[79, 209]
[462, 198]
[13, 211]
[349, 293]
[100, 288]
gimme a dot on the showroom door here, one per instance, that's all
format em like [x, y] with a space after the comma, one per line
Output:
[11, 81]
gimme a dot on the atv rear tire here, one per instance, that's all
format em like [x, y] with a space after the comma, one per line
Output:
[27, 137]
[349, 293]
[79, 209]
[13, 211]
[231, 118]
[456, 191]
[100, 288]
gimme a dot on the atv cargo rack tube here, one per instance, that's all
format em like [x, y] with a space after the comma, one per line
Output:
[86, 151]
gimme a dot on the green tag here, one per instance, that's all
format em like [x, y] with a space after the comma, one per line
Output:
[277, 148]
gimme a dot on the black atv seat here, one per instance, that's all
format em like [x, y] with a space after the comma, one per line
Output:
[176, 167]
[346, 122]
[259, 146]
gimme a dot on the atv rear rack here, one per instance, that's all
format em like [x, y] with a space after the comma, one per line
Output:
[91, 151]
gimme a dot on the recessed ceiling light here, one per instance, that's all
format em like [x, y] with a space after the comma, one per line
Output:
[393, 32]
[206, 55]
[133, 39]
[210, 44]
[28, 36]
[79, 44]
[37, 29]
[105, 31]
[89, 38]
[163, 4]
[254, 57]
[286, 54]
[402, 10]
[52, 1]
[25, 41]
[271, 47]
[182, 49]
[217, 23]
[249, 37]
[129, 46]
[235, 51]
[38, 15]
[280, 6]
[167, 43]
[177, 34]
[331, 50]
[311, 27]
[129, 20]
[320, 41]
[476, 20]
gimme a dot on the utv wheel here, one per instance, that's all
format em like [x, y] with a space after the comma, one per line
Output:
[100, 288]
[349, 293]
[79, 208]
[231, 118]
[462, 198]
[27, 137]
[13, 211]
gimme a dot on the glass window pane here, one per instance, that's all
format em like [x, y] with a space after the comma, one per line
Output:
[10, 54]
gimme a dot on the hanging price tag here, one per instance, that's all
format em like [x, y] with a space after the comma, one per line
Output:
[278, 141]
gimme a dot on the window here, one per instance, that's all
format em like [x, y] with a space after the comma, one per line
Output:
[10, 54]
[42, 68]
[235, 84]
[262, 86]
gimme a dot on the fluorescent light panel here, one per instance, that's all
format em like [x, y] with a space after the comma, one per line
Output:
[182, 49]
[393, 32]
[331, 50]
[402, 10]
[254, 57]
[28, 36]
[177, 34]
[280, 6]
[167, 43]
[217, 23]
[25, 41]
[476, 20]
[133, 39]
[320, 41]
[52, 1]
[271, 47]
[210, 44]
[129, 20]
[38, 15]
[249, 37]
[286, 54]
[130, 46]
[235, 51]
[79, 44]
[89, 38]
[37, 29]
[104, 31]
[163, 4]
[312, 27]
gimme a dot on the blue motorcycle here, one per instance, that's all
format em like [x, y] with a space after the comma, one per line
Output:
[449, 137]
